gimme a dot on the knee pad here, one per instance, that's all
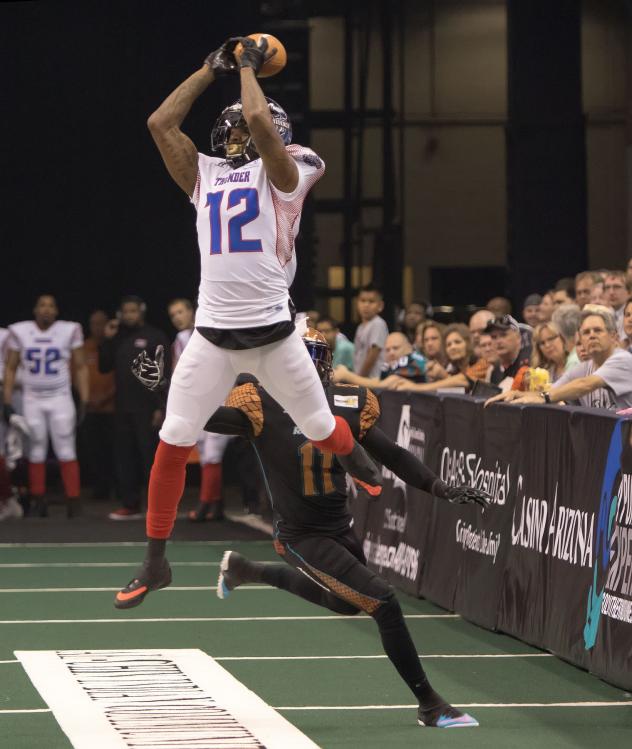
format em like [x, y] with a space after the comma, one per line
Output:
[178, 431]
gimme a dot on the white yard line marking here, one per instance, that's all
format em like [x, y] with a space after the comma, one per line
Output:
[3, 662]
[84, 545]
[38, 710]
[112, 699]
[205, 588]
[371, 657]
[465, 705]
[230, 619]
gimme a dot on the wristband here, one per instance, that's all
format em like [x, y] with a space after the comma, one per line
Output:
[546, 396]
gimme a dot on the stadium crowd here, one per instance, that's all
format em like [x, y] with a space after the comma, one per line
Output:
[74, 402]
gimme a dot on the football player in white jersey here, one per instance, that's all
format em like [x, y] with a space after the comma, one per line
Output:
[211, 447]
[47, 348]
[248, 198]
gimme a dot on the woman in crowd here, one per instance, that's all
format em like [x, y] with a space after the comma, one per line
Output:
[463, 368]
[545, 310]
[429, 342]
[550, 351]
[627, 326]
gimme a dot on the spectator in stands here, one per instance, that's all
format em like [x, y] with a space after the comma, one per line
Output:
[568, 318]
[499, 306]
[604, 381]
[584, 283]
[313, 316]
[512, 354]
[399, 361]
[545, 310]
[464, 367]
[628, 273]
[550, 351]
[487, 349]
[564, 292]
[597, 294]
[429, 343]
[530, 309]
[626, 342]
[476, 325]
[137, 411]
[370, 334]
[414, 315]
[616, 290]
[341, 346]
[96, 435]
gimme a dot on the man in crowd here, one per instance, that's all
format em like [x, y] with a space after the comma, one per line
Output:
[568, 318]
[603, 381]
[400, 360]
[511, 352]
[477, 324]
[564, 292]
[370, 334]
[414, 314]
[616, 292]
[340, 345]
[48, 348]
[499, 306]
[487, 349]
[137, 412]
[96, 436]
[530, 310]
[584, 283]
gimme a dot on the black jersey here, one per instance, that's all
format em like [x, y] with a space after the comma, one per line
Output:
[308, 486]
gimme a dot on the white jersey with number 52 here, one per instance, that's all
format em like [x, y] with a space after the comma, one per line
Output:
[246, 230]
[45, 354]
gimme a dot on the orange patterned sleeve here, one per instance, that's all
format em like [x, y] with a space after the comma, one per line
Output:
[370, 413]
[247, 399]
[478, 370]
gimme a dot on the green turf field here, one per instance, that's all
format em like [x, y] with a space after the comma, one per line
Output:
[326, 674]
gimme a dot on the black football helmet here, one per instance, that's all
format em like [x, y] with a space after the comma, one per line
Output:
[238, 154]
[319, 350]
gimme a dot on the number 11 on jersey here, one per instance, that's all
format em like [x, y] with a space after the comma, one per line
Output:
[248, 199]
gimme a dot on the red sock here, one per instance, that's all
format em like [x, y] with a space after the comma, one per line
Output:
[70, 478]
[340, 441]
[211, 483]
[166, 484]
[5, 480]
[37, 479]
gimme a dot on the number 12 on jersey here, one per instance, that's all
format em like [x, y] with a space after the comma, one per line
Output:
[219, 203]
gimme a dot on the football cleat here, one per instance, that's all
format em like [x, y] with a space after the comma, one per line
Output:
[147, 580]
[445, 716]
[234, 570]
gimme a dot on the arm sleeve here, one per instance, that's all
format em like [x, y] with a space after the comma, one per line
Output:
[247, 400]
[402, 463]
[370, 413]
[13, 342]
[310, 169]
[572, 374]
[76, 339]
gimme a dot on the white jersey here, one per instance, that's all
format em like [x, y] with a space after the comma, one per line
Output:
[45, 354]
[4, 334]
[181, 340]
[246, 230]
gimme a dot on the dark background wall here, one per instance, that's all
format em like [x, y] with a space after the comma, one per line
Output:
[87, 209]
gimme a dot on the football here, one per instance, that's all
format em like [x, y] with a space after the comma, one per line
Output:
[275, 64]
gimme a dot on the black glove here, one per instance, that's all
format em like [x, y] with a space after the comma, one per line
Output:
[222, 61]
[253, 54]
[150, 372]
[460, 495]
[7, 412]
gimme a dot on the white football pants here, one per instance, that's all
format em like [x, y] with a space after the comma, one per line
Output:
[211, 447]
[54, 416]
[206, 373]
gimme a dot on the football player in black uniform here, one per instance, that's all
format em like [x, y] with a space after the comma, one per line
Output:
[312, 523]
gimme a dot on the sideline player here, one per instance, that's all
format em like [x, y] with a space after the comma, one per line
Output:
[47, 347]
[211, 447]
[313, 525]
[248, 201]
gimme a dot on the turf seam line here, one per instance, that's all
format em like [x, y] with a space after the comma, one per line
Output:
[373, 657]
[462, 705]
[84, 545]
[206, 588]
[230, 619]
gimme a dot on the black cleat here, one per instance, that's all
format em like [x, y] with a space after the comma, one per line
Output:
[445, 716]
[147, 580]
[362, 469]
[235, 570]
[39, 507]
[205, 512]
[73, 508]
